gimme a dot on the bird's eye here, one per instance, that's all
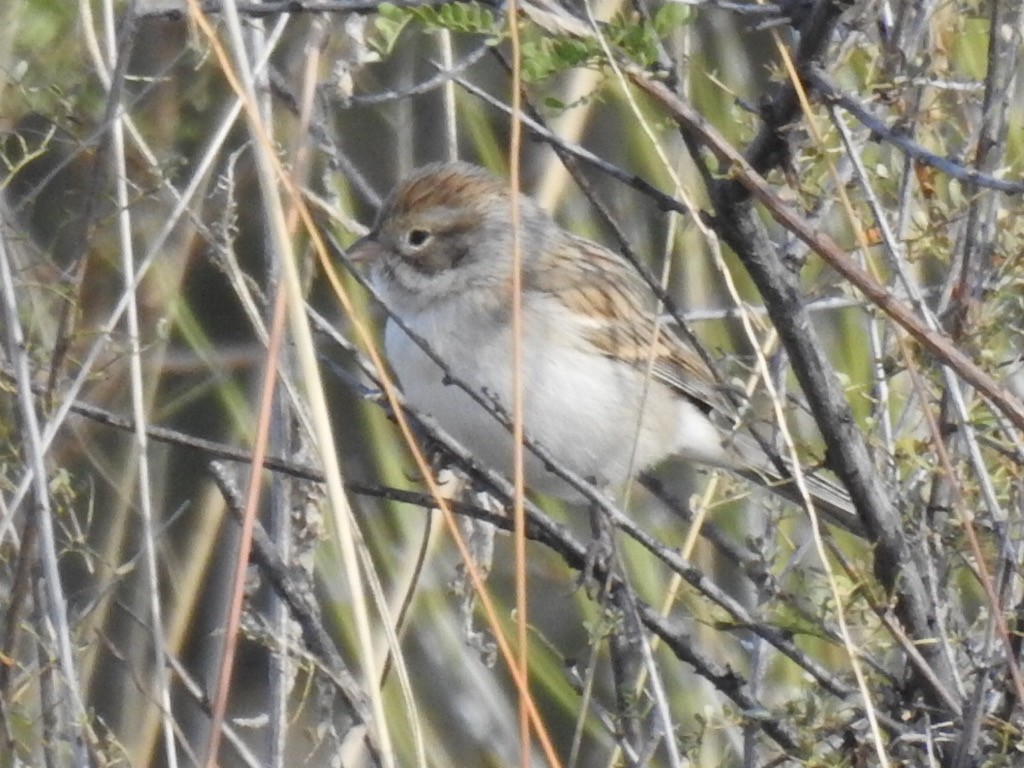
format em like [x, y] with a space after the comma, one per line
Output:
[417, 237]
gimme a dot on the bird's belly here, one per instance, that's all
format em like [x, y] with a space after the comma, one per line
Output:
[582, 409]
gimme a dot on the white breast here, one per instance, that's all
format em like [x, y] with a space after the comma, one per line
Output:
[583, 408]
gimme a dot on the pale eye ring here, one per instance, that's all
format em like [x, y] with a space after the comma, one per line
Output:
[417, 237]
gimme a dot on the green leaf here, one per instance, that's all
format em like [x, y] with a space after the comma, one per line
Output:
[386, 28]
[670, 17]
[391, 11]
[469, 18]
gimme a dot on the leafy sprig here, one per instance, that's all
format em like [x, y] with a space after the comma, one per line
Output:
[544, 54]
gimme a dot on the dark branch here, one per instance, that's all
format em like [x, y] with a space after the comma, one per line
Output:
[832, 95]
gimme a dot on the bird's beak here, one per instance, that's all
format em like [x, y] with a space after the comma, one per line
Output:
[365, 250]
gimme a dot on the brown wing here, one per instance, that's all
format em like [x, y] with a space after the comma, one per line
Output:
[604, 286]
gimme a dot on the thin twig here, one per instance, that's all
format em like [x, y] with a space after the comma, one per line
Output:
[175, 9]
[18, 352]
[118, 53]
